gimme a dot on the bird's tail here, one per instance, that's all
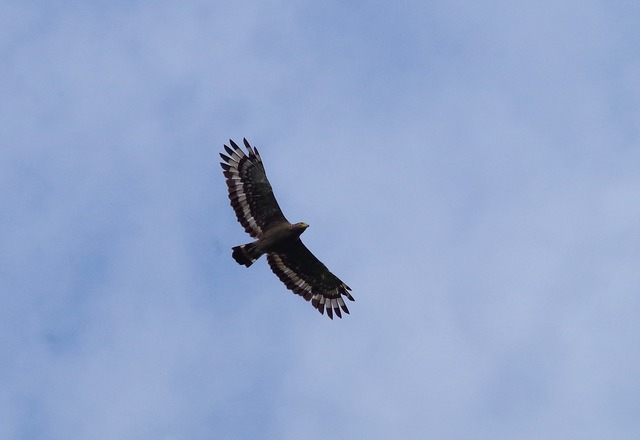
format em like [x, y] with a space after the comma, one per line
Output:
[246, 254]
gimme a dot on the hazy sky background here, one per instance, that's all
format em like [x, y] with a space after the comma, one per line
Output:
[471, 169]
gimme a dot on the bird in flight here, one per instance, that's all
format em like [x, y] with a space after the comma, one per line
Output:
[258, 212]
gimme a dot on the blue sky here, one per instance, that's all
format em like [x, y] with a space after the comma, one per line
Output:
[470, 169]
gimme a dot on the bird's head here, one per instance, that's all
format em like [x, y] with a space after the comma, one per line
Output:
[301, 226]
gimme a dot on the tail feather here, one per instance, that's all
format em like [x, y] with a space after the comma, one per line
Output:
[245, 254]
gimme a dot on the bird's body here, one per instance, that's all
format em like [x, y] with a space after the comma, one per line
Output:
[258, 211]
[279, 238]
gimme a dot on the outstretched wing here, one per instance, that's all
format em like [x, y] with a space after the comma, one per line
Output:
[250, 192]
[306, 276]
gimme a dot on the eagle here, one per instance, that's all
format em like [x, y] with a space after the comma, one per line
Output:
[258, 212]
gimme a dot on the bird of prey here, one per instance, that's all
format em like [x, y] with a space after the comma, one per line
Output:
[258, 212]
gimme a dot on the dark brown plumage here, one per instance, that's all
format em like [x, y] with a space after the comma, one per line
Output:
[258, 212]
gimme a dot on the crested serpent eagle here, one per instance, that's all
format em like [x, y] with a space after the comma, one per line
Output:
[257, 210]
